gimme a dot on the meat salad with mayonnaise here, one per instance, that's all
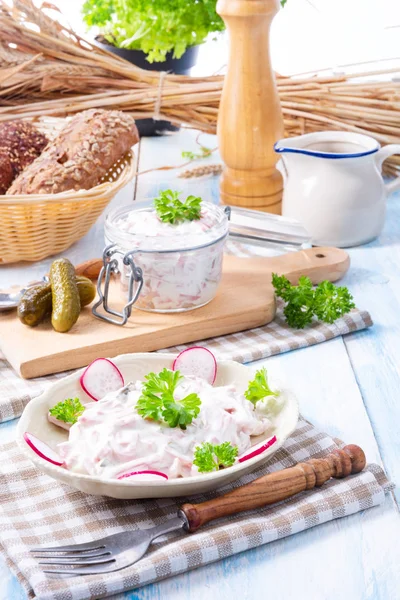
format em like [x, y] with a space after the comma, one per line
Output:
[171, 424]
[111, 438]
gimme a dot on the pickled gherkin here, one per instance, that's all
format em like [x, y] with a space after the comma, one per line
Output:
[64, 295]
[36, 303]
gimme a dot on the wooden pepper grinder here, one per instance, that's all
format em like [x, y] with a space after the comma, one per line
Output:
[250, 118]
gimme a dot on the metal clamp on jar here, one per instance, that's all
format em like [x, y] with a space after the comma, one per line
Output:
[168, 268]
[110, 266]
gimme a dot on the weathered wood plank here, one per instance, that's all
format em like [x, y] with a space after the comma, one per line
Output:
[374, 278]
[167, 151]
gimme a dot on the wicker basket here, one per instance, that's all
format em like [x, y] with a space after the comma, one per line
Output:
[33, 227]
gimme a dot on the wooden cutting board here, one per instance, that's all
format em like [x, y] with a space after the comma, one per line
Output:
[245, 300]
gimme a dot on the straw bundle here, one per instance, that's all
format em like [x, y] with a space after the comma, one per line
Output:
[45, 68]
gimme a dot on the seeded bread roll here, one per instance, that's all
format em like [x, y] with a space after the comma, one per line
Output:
[80, 156]
[20, 144]
[6, 173]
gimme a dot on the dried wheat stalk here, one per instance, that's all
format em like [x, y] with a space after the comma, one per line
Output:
[201, 171]
[48, 69]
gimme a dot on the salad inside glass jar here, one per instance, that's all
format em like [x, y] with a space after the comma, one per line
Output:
[174, 247]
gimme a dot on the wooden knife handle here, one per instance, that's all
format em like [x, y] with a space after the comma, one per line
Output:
[90, 268]
[278, 486]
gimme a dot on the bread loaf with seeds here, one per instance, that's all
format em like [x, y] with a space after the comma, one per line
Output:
[6, 173]
[81, 154]
[20, 144]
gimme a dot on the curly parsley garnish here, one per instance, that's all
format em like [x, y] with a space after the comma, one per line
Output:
[172, 210]
[212, 457]
[157, 400]
[68, 411]
[331, 302]
[326, 302]
[258, 388]
[204, 152]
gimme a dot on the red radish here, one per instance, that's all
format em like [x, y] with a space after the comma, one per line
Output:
[259, 450]
[58, 422]
[101, 377]
[144, 475]
[197, 362]
[42, 449]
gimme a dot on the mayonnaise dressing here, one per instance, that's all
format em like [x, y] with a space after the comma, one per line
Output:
[168, 236]
[111, 438]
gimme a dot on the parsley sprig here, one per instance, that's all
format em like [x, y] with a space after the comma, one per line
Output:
[331, 302]
[68, 410]
[204, 152]
[258, 388]
[326, 302]
[157, 400]
[170, 209]
[212, 457]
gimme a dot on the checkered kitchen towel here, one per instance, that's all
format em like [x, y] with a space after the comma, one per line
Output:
[246, 346]
[35, 510]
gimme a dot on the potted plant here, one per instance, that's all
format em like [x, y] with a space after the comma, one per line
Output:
[161, 35]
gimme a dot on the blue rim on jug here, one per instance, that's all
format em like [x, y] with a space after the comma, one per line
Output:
[280, 147]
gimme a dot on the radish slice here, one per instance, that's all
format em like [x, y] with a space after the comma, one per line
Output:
[259, 450]
[144, 475]
[58, 422]
[42, 449]
[101, 377]
[197, 362]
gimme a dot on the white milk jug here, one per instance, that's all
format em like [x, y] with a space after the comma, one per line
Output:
[333, 185]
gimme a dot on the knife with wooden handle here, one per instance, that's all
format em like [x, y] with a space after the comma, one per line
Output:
[278, 486]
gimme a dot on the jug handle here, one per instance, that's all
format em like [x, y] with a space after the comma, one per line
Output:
[380, 156]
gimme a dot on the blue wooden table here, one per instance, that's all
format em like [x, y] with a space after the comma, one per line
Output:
[350, 387]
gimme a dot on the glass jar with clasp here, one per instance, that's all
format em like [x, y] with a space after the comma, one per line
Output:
[170, 268]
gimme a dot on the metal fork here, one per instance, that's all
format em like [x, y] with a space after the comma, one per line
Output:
[108, 554]
[121, 550]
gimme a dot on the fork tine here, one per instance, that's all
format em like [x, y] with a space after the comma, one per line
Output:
[80, 553]
[97, 545]
[89, 570]
[77, 561]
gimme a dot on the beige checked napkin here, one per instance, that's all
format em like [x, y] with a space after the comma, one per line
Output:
[246, 346]
[35, 510]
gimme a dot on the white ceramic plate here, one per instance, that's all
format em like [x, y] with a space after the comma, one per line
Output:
[133, 367]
